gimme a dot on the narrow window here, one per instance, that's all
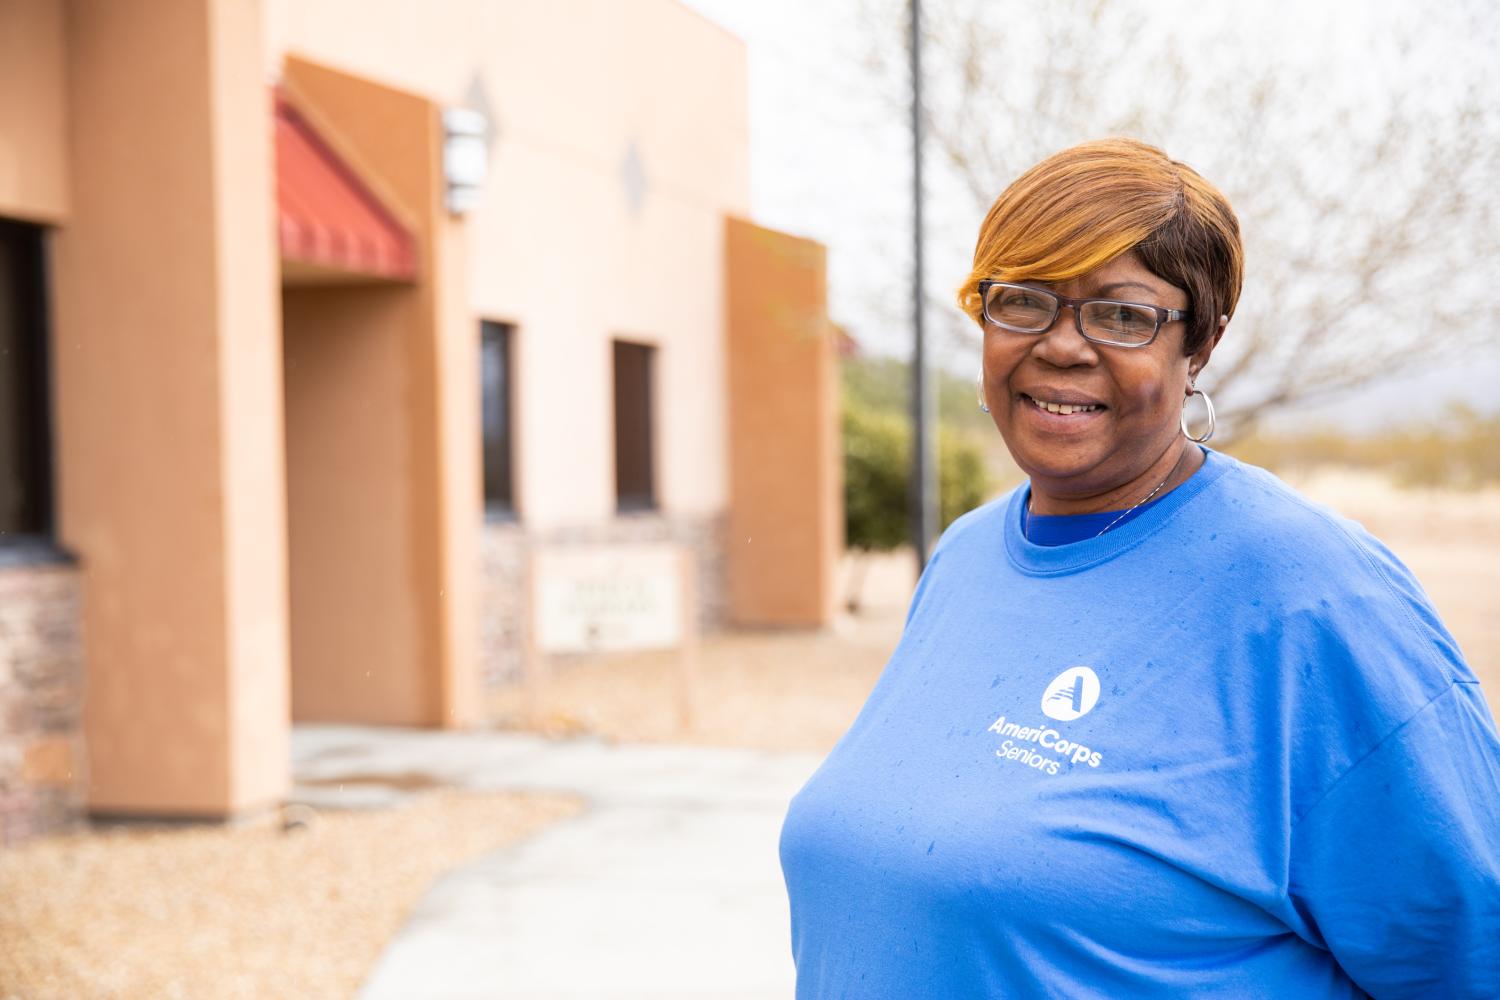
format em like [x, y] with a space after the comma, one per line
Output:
[634, 451]
[25, 448]
[496, 382]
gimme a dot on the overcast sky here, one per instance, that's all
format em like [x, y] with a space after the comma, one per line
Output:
[830, 159]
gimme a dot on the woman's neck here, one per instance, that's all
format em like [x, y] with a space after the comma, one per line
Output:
[1172, 468]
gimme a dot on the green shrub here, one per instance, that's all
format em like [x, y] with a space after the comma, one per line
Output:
[877, 470]
[963, 482]
[877, 451]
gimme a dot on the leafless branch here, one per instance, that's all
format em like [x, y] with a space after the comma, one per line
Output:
[1370, 216]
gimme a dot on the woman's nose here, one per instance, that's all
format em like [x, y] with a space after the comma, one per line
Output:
[1062, 344]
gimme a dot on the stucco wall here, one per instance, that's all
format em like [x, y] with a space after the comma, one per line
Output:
[786, 529]
[558, 248]
[619, 143]
[418, 372]
[168, 406]
[33, 111]
[357, 640]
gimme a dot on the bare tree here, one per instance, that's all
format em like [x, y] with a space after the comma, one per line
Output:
[1369, 206]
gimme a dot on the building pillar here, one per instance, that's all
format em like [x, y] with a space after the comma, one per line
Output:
[169, 416]
[419, 342]
[786, 505]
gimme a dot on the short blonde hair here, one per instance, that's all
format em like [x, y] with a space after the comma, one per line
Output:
[1085, 206]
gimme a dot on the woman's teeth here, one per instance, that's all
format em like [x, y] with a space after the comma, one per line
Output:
[1065, 407]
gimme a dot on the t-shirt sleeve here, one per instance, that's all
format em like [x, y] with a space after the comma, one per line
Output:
[929, 571]
[1397, 866]
[964, 524]
[923, 582]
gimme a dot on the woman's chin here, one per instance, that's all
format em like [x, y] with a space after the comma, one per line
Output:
[1049, 458]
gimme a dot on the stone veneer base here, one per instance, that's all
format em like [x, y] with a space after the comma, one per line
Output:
[43, 785]
[506, 544]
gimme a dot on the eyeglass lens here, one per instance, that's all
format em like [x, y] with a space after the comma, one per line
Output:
[1030, 310]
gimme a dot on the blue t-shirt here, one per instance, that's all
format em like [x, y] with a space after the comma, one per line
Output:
[1226, 749]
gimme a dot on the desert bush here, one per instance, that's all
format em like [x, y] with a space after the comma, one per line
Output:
[1460, 450]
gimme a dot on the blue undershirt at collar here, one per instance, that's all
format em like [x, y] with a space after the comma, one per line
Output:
[1061, 529]
[1064, 529]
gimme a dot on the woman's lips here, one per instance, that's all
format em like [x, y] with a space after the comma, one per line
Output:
[1065, 406]
[1059, 419]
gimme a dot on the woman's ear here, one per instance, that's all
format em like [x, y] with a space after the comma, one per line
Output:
[1200, 358]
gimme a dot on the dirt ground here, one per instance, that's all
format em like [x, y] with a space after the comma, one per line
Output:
[252, 912]
[800, 690]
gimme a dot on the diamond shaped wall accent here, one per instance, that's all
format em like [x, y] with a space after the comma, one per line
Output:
[477, 98]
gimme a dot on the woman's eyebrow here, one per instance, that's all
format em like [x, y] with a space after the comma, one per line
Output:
[1125, 284]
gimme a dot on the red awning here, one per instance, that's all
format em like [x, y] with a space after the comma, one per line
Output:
[327, 217]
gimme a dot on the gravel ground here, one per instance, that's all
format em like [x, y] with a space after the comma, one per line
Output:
[228, 912]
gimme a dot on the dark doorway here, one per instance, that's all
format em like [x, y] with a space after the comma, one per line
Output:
[25, 427]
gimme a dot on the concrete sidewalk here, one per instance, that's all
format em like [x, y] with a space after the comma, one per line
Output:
[667, 885]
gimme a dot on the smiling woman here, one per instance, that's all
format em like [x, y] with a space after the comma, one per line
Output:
[1158, 726]
[1094, 424]
[1114, 221]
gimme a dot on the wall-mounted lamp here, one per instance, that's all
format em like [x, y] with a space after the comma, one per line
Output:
[466, 157]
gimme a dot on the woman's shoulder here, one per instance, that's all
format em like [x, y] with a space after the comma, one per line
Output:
[1265, 500]
[979, 525]
[1361, 646]
[1255, 510]
[1306, 560]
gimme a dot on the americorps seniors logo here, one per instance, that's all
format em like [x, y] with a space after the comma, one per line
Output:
[1071, 695]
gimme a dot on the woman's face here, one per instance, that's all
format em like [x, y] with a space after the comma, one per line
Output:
[1138, 391]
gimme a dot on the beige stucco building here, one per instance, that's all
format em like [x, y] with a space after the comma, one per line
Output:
[320, 317]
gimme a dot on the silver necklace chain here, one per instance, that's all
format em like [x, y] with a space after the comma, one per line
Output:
[1123, 513]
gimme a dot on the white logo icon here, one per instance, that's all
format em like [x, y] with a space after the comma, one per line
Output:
[1072, 694]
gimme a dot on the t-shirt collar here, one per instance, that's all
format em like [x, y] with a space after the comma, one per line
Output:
[1055, 560]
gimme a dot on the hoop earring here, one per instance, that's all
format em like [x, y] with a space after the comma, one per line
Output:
[1195, 391]
[980, 392]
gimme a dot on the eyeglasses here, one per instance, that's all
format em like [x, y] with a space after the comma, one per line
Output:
[1024, 309]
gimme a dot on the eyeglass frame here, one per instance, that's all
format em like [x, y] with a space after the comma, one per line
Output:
[1163, 315]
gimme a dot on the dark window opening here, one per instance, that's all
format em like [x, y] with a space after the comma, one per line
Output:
[25, 432]
[634, 451]
[496, 384]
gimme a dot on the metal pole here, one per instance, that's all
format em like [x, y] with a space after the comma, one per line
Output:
[924, 492]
